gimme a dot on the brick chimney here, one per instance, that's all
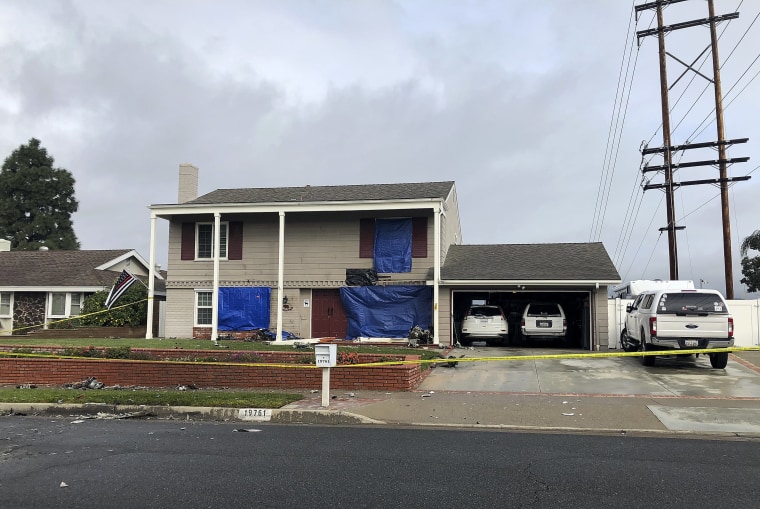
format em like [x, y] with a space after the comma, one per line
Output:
[188, 183]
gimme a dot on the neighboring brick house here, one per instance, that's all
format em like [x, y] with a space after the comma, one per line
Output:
[38, 287]
[287, 258]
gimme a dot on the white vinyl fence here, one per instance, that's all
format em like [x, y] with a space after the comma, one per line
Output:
[746, 315]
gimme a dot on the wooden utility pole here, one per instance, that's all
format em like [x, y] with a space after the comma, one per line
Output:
[667, 149]
[727, 257]
[667, 153]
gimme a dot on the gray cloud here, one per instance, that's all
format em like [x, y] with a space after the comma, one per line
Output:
[512, 101]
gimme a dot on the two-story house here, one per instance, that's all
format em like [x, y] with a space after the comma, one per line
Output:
[242, 259]
[355, 261]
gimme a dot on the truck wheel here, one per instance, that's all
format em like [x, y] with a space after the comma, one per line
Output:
[719, 360]
[625, 342]
[646, 360]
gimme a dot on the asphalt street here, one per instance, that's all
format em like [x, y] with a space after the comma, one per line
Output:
[76, 463]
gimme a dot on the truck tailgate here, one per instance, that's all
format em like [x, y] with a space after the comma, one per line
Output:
[710, 326]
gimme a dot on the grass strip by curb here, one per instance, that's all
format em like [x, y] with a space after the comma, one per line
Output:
[127, 396]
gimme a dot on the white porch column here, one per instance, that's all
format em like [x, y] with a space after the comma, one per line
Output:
[215, 292]
[280, 275]
[436, 271]
[151, 276]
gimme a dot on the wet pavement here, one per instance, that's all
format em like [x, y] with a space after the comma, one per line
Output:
[617, 395]
[671, 376]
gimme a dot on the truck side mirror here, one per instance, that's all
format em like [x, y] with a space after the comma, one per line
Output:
[628, 308]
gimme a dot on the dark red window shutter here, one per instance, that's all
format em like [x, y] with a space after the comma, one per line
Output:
[367, 238]
[188, 242]
[235, 241]
[419, 237]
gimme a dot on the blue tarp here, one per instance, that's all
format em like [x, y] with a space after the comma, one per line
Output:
[386, 311]
[393, 245]
[244, 308]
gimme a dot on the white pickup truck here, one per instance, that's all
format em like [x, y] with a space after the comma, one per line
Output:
[678, 320]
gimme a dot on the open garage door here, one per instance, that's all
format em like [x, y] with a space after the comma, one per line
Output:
[575, 305]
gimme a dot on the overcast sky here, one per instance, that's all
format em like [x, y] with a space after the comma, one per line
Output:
[534, 109]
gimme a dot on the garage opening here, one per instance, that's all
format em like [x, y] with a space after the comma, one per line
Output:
[575, 305]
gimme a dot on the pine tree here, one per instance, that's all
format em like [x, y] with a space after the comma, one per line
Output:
[36, 201]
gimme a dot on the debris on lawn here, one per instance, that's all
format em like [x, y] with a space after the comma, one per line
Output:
[187, 387]
[87, 383]
[26, 386]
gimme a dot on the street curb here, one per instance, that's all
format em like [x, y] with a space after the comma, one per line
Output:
[592, 431]
[278, 416]
[320, 417]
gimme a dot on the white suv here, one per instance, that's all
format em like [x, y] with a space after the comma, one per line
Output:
[485, 322]
[544, 320]
[676, 320]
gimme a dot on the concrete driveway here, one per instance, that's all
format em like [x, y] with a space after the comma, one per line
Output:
[624, 376]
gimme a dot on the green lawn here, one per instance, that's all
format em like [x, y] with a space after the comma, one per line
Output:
[206, 397]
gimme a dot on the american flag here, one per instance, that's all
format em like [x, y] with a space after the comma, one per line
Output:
[122, 284]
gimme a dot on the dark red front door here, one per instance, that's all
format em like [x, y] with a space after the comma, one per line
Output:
[328, 320]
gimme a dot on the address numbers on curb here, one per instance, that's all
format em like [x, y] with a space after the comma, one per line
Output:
[255, 414]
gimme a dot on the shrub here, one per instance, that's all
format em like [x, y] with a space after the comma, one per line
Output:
[128, 316]
[89, 351]
[246, 357]
[348, 358]
[118, 352]
[67, 323]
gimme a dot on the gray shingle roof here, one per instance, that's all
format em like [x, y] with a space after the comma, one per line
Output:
[380, 192]
[57, 268]
[550, 262]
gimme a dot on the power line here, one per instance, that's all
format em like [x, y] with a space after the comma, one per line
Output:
[603, 186]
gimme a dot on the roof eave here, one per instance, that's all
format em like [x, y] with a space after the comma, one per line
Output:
[166, 211]
[528, 282]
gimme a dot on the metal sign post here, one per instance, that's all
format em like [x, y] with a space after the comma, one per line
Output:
[326, 357]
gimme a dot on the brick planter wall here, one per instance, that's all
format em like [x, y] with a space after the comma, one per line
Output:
[36, 371]
[91, 332]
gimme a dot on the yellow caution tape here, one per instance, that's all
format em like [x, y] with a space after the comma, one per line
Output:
[442, 360]
[77, 317]
[592, 355]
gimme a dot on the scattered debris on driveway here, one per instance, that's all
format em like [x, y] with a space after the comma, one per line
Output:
[449, 364]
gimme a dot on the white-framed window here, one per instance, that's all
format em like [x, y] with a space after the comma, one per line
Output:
[76, 304]
[204, 240]
[203, 307]
[63, 304]
[6, 304]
